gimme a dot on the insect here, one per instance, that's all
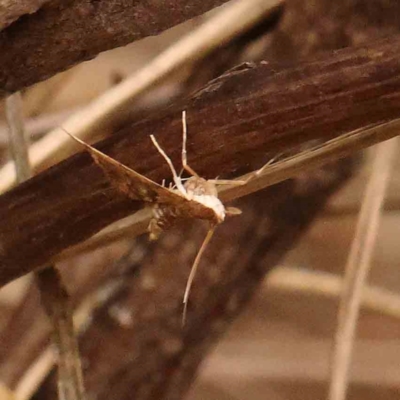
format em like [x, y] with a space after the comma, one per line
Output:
[194, 197]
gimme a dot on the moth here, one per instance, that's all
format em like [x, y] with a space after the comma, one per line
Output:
[190, 198]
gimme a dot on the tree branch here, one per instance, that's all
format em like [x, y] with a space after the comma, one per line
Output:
[10, 11]
[63, 33]
[232, 123]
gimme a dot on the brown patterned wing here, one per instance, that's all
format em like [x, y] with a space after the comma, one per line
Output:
[138, 187]
[124, 179]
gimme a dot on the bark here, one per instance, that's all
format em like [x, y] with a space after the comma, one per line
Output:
[11, 10]
[252, 112]
[65, 32]
[314, 26]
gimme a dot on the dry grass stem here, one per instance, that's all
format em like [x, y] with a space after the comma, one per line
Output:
[337, 211]
[312, 158]
[41, 367]
[17, 139]
[57, 304]
[36, 126]
[35, 375]
[302, 361]
[130, 227]
[53, 294]
[217, 30]
[6, 394]
[330, 285]
[357, 268]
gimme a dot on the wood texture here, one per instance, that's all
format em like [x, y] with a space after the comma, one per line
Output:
[310, 27]
[11, 10]
[235, 124]
[65, 32]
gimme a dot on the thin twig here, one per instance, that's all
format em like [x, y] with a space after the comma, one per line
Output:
[38, 370]
[337, 211]
[217, 30]
[302, 362]
[56, 302]
[38, 125]
[35, 375]
[132, 226]
[6, 394]
[53, 293]
[17, 139]
[357, 268]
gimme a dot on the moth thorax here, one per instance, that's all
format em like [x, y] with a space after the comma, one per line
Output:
[205, 192]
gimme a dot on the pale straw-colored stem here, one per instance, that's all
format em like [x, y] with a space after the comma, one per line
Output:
[357, 268]
[53, 294]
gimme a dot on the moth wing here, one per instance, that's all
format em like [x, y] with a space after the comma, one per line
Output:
[126, 180]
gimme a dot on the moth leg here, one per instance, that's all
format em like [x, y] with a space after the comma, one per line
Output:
[233, 211]
[154, 230]
[175, 176]
[193, 271]
[184, 152]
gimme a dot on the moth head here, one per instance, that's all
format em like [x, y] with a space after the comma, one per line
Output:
[196, 186]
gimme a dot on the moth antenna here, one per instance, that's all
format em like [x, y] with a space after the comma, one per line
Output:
[241, 182]
[184, 152]
[175, 176]
[229, 182]
[193, 271]
[73, 136]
